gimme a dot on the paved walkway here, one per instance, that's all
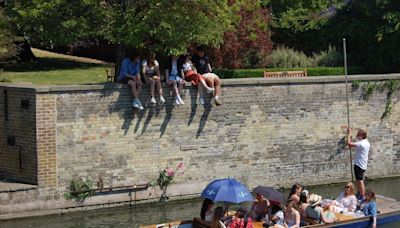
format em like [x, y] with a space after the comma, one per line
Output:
[6, 186]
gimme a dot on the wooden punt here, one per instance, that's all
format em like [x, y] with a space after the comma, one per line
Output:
[389, 212]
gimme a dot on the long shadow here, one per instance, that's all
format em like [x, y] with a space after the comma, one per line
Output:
[168, 116]
[150, 114]
[193, 97]
[47, 64]
[204, 117]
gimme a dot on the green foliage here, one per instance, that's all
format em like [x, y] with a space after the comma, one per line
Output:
[8, 47]
[369, 87]
[328, 58]
[164, 179]
[164, 26]
[259, 73]
[56, 22]
[79, 190]
[284, 57]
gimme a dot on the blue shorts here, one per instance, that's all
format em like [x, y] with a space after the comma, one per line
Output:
[174, 78]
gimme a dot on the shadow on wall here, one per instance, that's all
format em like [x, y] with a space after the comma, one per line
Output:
[122, 106]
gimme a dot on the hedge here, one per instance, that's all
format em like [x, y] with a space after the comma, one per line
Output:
[258, 73]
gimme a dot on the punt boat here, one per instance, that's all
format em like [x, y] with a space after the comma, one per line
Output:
[389, 212]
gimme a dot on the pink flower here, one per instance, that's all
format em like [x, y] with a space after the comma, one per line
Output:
[170, 172]
[180, 165]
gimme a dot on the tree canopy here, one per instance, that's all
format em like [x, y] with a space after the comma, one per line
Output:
[159, 25]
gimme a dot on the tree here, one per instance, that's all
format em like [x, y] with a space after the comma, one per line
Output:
[250, 41]
[8, 47]
[159, 25]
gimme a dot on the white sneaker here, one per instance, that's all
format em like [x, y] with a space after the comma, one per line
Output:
[135, 104]
[180, 100]
[202, 101]
[210, 90]
[162, 100]
[152, 100]
[177, 101]
[140, 105]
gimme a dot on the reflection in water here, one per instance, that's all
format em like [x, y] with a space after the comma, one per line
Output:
[171, 211]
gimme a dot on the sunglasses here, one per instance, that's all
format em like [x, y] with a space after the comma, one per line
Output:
[346, 186]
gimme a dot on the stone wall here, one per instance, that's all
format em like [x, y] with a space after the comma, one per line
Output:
[270, 132]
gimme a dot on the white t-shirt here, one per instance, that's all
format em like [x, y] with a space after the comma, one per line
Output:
[361, 154]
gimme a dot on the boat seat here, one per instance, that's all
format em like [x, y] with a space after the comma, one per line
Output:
[200, 223]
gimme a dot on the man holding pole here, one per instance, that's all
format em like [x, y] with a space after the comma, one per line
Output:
[360, 161]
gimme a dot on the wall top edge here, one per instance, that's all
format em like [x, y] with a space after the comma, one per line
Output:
[226, 82]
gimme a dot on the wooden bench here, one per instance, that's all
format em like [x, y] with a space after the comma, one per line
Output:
[285, 74]
[111, 73]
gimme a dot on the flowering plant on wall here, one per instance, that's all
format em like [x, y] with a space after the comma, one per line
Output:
[166, 177]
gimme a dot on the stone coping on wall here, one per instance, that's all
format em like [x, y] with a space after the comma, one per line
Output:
[226, 82]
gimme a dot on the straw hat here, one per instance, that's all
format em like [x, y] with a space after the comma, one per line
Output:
[314, 199]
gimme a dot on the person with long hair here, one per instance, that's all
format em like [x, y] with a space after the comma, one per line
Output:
[151, 72]
[206, 212]
[303, 204]
[346, 201]
[295, 193]
[216, 221]
[292, 216]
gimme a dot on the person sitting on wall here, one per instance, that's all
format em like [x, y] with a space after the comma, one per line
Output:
[202, 63]
[130, 74]
[151, 72]
[192, 76]
[175, 78]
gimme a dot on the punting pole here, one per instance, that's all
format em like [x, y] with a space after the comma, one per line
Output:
[347, 102]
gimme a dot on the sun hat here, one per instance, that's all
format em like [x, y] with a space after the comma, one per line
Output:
[314, 199]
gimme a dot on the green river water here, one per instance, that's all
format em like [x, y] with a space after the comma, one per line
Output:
[171, 211]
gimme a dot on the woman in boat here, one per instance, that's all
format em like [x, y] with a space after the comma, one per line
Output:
[276, 215]
[303, 204]
[241, 220]
[369, 207]
[316, 212]
[217, 218]
[292, 216]
[346, 201]
[295, 193]
[259, 208]
[206, 212]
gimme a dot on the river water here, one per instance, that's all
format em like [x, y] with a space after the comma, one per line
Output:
[171, 211]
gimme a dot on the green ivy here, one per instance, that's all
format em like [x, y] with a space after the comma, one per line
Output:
[79, 190]
[369, 87]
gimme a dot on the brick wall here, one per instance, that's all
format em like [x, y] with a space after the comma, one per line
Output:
[17, 120]
[273, 132]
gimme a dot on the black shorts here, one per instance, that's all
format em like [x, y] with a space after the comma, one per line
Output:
[125, 80]
[359, 173]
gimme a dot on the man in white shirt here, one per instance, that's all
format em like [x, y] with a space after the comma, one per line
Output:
[360, 161]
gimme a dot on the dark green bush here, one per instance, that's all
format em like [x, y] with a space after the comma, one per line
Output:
[258, 73]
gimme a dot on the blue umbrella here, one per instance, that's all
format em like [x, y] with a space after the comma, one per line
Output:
[227, 190]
